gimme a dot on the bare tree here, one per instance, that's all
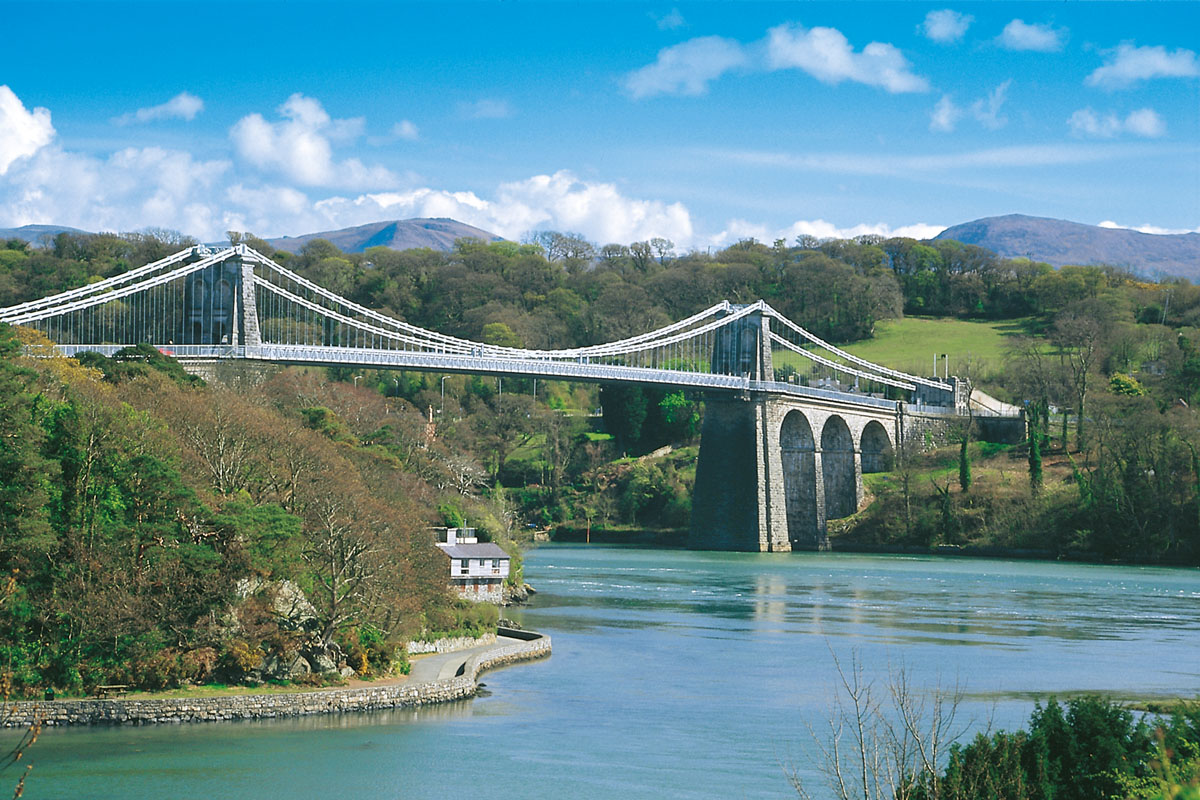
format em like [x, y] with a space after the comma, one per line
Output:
[1081, 333]
[884, 743]
[341, 546]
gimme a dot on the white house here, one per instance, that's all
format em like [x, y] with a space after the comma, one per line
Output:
[477, 570]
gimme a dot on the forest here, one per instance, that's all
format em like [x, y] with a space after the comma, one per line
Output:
[149, 523]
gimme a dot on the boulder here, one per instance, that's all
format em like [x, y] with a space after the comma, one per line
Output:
[322, 663]
[287, 602]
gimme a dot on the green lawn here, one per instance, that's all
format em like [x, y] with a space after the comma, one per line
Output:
[909, 344]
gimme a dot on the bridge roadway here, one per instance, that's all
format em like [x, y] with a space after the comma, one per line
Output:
[581, 370]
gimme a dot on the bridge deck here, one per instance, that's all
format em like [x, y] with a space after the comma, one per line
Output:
[551, 369]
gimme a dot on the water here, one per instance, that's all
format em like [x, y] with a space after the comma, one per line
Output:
[679, 674]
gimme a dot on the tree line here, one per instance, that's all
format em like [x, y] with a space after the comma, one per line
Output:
[149, 523]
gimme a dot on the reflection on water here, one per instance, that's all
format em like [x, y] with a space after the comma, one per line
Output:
[686, 675]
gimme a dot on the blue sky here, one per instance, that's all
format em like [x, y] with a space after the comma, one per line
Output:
[701, 122]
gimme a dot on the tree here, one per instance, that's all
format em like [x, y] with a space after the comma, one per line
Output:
[884, 743]
[504, 426]
[341, 547]
[26, 475]
[625, 410]
[1081, 332]
[499, 334]
[1033, 418]
[662, 248]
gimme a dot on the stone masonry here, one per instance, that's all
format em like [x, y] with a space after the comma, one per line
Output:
[260, 706]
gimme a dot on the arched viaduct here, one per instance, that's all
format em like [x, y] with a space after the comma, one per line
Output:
[775, 468]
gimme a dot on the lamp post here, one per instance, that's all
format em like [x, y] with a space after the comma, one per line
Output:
[356, 380]
[443, 405]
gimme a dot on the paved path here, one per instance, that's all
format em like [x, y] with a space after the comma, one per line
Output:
[446, 665]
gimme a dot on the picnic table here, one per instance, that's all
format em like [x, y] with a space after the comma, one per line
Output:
[112, 690]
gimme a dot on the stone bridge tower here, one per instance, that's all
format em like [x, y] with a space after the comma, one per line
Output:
[775, 466]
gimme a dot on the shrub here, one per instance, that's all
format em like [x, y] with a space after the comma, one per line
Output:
[237, 660]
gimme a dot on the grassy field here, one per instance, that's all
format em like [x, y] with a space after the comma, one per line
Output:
[909, 344]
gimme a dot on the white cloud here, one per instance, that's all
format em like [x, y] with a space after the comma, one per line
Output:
[299, 147]
[686, 68]
[487, 108]
[132, 189]
[182, 106]
[22, 133]
[1128, 65]
[738, 229]
[1144, 122]
[405, 129]
[946, 25]
[827, 55]
[560, 201]
[1020, 35]
[987, 110]
[945, 115]
[1146, 228]
[670, 21]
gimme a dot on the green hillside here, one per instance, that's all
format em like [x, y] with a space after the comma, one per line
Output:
[909, 344]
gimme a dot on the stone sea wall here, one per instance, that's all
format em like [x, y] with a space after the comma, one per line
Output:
[260, 706]
[448, 645]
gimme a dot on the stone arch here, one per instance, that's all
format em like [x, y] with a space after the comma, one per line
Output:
[876, 447]
[837, 469]
[798, 454]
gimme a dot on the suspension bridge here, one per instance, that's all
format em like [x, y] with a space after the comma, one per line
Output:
[791, 421]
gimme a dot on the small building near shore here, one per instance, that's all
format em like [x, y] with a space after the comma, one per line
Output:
[477, 569]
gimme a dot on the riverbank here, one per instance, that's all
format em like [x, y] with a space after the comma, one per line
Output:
[436, 679]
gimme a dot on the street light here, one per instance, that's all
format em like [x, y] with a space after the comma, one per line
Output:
[356, 379]
[443, 406]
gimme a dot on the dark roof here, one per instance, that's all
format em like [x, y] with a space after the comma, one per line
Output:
[482, 550]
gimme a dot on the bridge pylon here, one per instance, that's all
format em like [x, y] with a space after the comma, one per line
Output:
[738, 501]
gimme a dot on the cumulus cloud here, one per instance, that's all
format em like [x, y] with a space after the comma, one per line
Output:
[559, 201]
[22, 132]
[1144, 122]
[946, 26]
[183, 106]
[1020, 35]
[987, 109]
[1146, 228]
[686, 68]
[487, 108]
[827, 55]
[299, 147]
[945, 115]
[824, 53]
[739, 229]
[132, 189]
[1127, 65]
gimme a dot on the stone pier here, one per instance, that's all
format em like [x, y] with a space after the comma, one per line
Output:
[774, 468]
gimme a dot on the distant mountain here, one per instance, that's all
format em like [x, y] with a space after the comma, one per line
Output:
[398, 234]
[36, 234]
[1059, 242]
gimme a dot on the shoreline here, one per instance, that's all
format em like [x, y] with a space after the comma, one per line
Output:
[676, 539]
[455, 677]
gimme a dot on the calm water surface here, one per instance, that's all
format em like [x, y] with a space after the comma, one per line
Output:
[680, 674]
